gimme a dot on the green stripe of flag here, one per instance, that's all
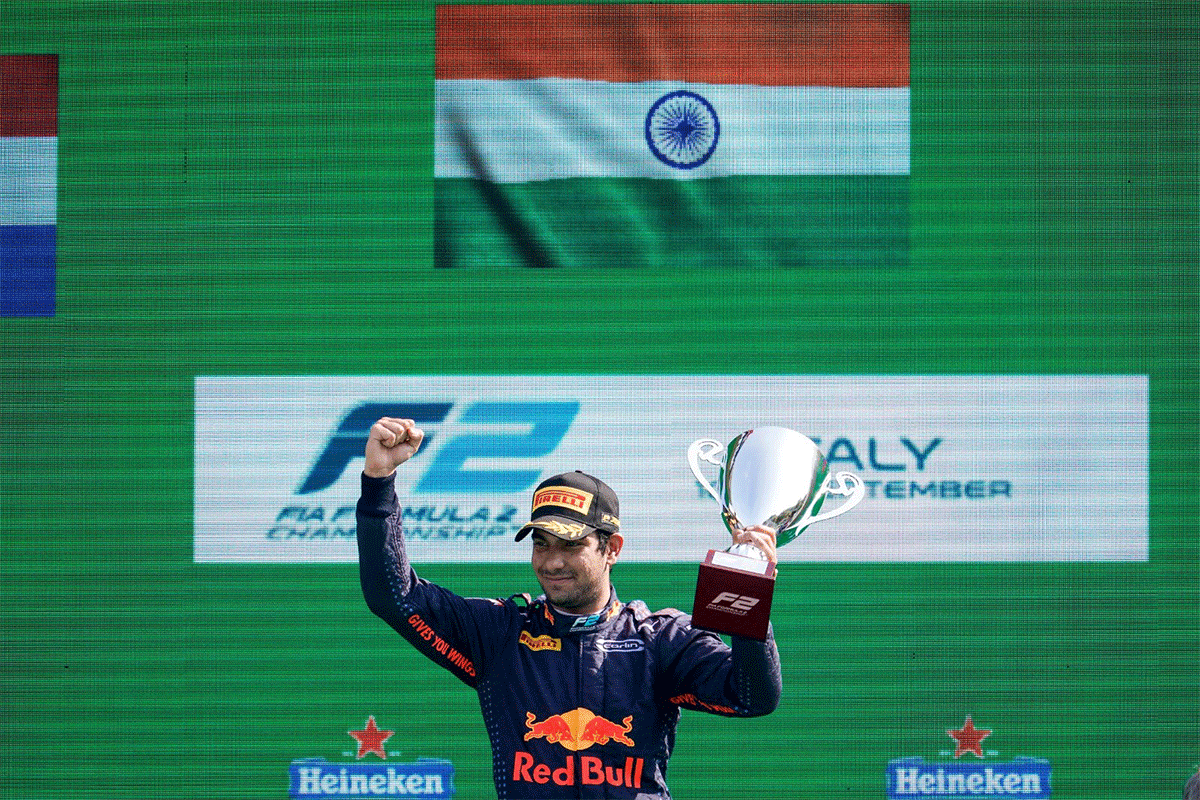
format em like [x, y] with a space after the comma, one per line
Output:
[740, 222]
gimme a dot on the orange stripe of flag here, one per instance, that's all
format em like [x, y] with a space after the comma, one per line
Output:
[857, 45]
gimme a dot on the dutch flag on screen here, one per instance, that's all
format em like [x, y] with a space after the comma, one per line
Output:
[28, 184]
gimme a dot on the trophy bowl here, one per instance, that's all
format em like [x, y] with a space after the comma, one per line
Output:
[775, 477]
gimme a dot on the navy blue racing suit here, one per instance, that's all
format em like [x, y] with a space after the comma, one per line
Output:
[575, 706]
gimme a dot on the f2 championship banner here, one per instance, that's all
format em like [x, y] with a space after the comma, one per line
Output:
[957, 468]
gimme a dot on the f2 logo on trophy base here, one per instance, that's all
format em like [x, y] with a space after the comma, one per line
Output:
[768, 476]
[738, 603]
[731, 597]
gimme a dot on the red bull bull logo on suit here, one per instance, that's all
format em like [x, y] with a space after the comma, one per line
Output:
[578, 730]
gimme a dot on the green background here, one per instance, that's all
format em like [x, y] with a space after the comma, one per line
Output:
[246, 188]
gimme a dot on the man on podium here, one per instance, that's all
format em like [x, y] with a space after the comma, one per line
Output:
[580, 692]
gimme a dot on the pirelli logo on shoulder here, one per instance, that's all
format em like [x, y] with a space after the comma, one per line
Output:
[563, 496]
[543, 642]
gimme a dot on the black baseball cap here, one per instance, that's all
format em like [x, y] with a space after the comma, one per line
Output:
[572, 505]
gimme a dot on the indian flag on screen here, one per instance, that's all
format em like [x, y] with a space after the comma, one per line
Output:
[28, 184]
[672, 136]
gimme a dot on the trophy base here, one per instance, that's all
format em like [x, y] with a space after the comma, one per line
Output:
[733, 595]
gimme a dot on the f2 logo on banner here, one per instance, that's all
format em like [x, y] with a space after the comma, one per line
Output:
[547, 424]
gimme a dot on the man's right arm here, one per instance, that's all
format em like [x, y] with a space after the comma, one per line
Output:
[458, 633]
[383, 566]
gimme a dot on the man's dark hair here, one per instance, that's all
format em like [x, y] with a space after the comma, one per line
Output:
[602, 540]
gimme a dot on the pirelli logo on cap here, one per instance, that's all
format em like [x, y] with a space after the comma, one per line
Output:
[563, 496]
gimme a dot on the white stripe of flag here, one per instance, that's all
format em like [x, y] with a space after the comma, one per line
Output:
[514, 131]
[28, 180]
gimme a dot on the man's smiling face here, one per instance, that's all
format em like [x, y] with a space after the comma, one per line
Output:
[574, 574]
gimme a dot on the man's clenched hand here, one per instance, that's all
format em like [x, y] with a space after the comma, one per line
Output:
[391, 443]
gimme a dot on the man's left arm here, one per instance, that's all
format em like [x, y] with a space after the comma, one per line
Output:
[757, 678]
[705, 674]
[743, 680]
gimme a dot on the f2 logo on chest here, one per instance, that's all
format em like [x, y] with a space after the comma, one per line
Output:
[734, 603]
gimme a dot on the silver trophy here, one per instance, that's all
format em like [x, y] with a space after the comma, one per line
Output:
[775, 477]
[768, 476]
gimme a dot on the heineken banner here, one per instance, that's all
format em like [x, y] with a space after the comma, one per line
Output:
[957, 468]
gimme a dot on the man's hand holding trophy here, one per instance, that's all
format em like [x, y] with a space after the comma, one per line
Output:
[772, 477]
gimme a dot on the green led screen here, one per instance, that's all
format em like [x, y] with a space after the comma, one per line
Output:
[230, 225]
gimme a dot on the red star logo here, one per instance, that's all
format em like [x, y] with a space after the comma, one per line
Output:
[969, 738]
[371, 739]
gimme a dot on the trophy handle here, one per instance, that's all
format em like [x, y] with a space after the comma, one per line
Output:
[703, 449]
[845, 484]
